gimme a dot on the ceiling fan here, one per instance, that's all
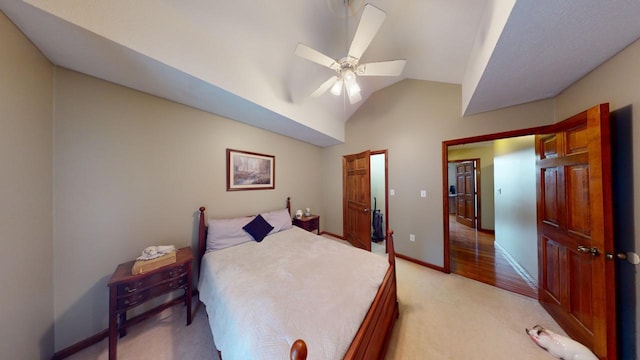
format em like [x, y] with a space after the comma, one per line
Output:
[348, 68]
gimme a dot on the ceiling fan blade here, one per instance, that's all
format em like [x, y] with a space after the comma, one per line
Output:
[370, 21]
[354, 97]
[383, 68]
[325, 86]
[316, 56]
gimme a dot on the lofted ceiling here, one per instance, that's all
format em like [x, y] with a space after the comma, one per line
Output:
[236, 58]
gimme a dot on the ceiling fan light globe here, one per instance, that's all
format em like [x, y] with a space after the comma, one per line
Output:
[355, 88]
[349, 76]
[352, 87]
[336, 89]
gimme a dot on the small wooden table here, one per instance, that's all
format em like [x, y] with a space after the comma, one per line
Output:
[126, 291]
[309, 223]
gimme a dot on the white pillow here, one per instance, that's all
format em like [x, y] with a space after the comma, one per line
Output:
[223, 233]
[279, 219]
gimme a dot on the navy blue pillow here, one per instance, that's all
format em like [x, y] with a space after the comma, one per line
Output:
[258, 228]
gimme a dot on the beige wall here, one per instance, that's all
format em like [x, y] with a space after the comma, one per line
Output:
[131, 171]
[515, 200]
[26, 115]
[411, 119]
[618, 82]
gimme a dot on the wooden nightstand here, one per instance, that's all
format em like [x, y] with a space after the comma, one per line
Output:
[309, 223]
[127, 291]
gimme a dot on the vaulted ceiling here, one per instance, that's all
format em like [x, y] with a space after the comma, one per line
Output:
[236, 58]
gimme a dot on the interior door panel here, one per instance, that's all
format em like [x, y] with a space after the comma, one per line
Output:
[357, 199]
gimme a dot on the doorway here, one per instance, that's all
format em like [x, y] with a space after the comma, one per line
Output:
[365, 199]
[500, 250]
[465, 192]
[378, 162]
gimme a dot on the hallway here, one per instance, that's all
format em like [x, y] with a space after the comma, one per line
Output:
[474, 255]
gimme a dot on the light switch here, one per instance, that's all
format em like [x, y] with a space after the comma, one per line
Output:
[392, 192]
[423, 193]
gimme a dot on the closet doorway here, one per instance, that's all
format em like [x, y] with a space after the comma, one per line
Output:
[380, 210]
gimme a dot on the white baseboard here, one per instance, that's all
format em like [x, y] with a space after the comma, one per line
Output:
[516, 266]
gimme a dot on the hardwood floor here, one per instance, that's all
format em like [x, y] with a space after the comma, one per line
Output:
[474, 255]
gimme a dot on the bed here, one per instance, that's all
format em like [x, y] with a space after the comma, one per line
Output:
[286, 292]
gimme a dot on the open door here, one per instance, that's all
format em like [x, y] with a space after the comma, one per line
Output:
[575, 229]
[466, 199]
[356, 184]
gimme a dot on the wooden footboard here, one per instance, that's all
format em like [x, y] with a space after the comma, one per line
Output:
[372, 339]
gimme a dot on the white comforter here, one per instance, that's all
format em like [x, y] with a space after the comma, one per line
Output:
[261, 297]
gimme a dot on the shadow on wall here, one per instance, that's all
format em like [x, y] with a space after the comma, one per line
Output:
[623, 225]
[93, 303]
[47, 343]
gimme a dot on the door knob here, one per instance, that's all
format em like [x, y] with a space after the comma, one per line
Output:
[630, 256]
[365, 210]
[587, 250]
[583, 249]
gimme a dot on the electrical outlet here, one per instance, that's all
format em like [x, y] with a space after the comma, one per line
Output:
[412, 237]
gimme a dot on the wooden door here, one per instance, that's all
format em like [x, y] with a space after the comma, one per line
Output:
[466, 199]
[576, 281]
[357, 199]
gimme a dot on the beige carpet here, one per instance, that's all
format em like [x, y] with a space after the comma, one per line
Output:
[441, 317]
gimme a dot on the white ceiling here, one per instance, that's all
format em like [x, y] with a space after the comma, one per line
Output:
[235, 58]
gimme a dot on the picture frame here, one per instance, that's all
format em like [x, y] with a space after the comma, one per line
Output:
[250, 171]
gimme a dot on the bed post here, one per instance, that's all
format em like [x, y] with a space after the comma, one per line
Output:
[289, 204]
[391, 251]
[202, 234]
[298, 350]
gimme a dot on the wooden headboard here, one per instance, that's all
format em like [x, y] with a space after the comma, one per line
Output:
[202, 230]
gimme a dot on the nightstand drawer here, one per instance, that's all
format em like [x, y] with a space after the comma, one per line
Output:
[144, 282]
[312, 224]
[133, 300]
[138, 297]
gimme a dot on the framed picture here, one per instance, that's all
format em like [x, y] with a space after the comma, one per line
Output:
[250, 171]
